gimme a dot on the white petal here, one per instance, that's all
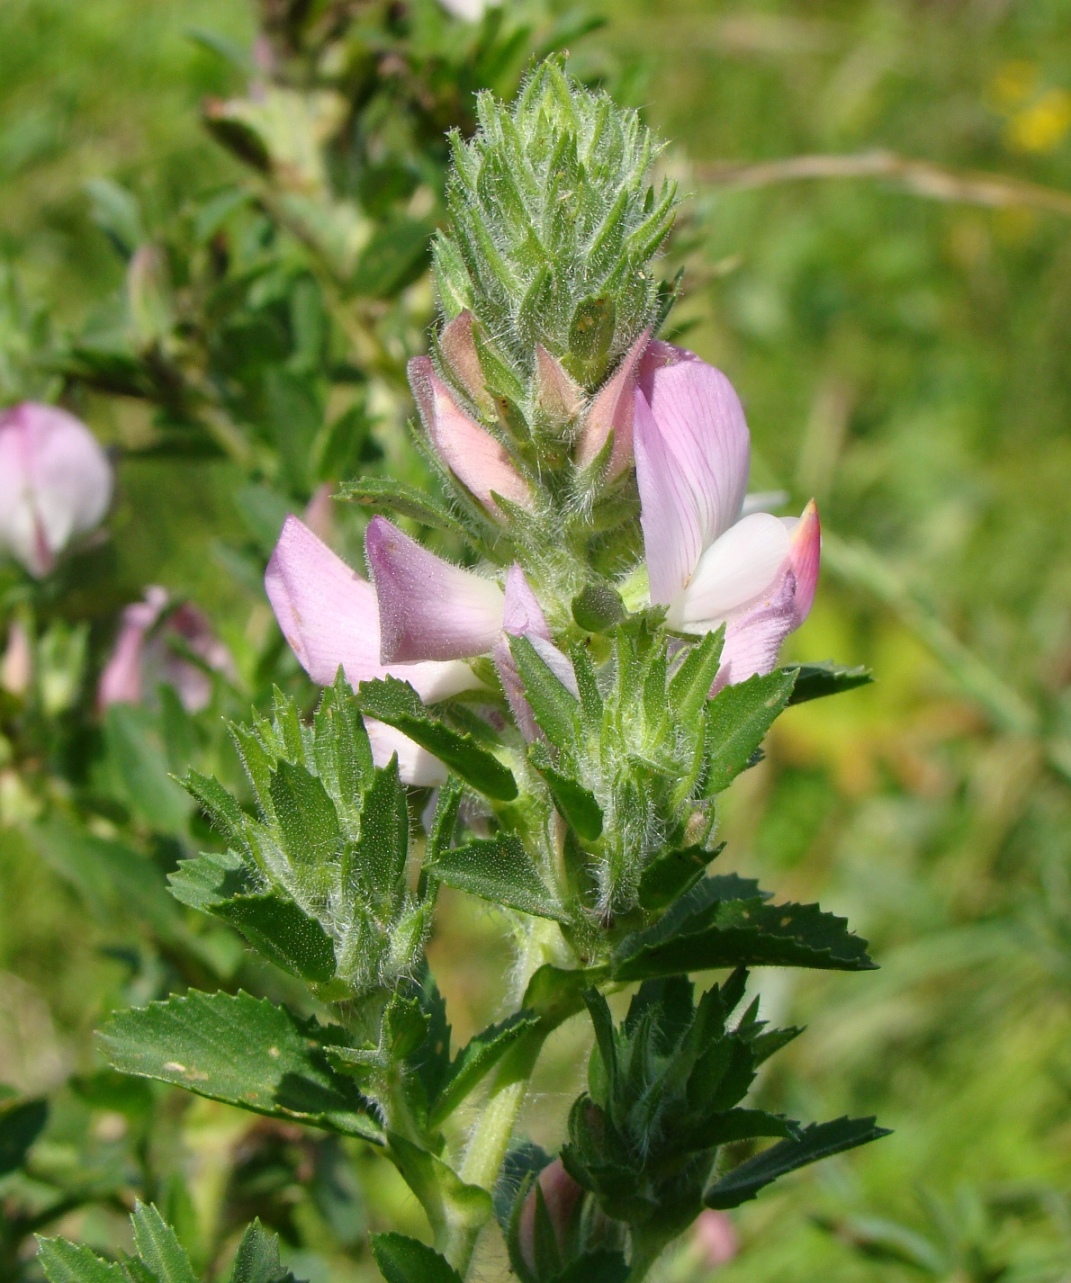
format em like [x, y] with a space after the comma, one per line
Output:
[736, 569]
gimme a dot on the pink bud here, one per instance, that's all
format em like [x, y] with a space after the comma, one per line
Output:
[478, 460]
[561, 1197]
[612, 411]
[55, 483]
[16, 668]
[458, 347]
[558, 395]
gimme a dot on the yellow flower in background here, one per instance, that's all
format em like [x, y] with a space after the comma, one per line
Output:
[1014, 83]
[1043, 125]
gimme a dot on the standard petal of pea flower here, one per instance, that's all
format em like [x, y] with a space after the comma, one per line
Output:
[708, 563]
[55, 483]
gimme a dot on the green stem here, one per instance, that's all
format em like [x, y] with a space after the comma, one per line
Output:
[646, 1249]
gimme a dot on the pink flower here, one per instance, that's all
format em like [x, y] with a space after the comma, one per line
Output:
[145, 657]
[562, 1197]
[476, 458]
[16, 667]
[419, 619]
[715, 1237]
[612, 410]
[55, 483]
[709, 564]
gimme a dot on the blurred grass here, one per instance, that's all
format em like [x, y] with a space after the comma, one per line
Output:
[903, 359]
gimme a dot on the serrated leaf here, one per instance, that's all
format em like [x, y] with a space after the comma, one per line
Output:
[818, 1141]
[141, 771]
[476, 1059]
[397, 704]
[307, 819]
[243, 1051]
[735, 1125]
[64, 1262]
[555, 708]
[341, 750]
[575, 803]
[257, 1258]
[737, 720]
[395, 498]
[816, 681]
[21, 1122]
[723, 922]
[499, 869]
[159, 1248]
[444, 821]
[672, 875]
[405, 1260]
[689, 687]
[374, 866]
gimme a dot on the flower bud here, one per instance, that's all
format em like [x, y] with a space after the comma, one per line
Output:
[458, 348]
[560, 1197]
[477, 459]
[55, 483]
[612, 410]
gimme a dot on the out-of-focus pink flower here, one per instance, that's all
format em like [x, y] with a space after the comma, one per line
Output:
[55, 483]
[706, 562]
[16, 668]
[145, 655]
[479, 461]
[715, 1236]
[561, 1198]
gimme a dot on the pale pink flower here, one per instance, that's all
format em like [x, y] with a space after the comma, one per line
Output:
[55, 483]
[419, 619]
[16, 667]
[145, 655]
[707, 563]
[715, 1236]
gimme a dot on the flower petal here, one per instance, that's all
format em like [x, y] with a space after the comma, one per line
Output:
[522, 617]
[55, 482]
[478, 460]
[755, 634]
[121, 678]
[428, 608]
[612, 410]
[330, 617]
[706, 448]
[736, 569]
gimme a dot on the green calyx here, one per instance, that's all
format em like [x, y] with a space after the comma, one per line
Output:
[554, 226]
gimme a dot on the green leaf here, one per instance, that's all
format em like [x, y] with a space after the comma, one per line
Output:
[820, 1140]
[689, 687]
[395, 498]
[555, 708]
[405, 1260]
[140, 768]
[397, 254]
[65, 1262]
[307, 818]
[499, 869]
[555, 993]
[397, 704]
[21, 1123]
[341, 750]
[159, 1248]
[601, 1266]
[816, 681]
[476, 1059]
[375, 865]
[295, 416]
[737, 721]
[576, 804]
[723, 922]
[117, 884]
[272, 923]
[442, 1193]
[243, 1051]
[257, 1259]
[735, 1125]
[673, 874]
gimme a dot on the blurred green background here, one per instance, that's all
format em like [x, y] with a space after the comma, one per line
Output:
[903, 357]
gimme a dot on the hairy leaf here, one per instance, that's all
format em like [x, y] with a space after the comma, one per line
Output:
[737, 721]
[244, 1051]
[499, 869]
[815, 681]
[820, 1140]
[405, 1260]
